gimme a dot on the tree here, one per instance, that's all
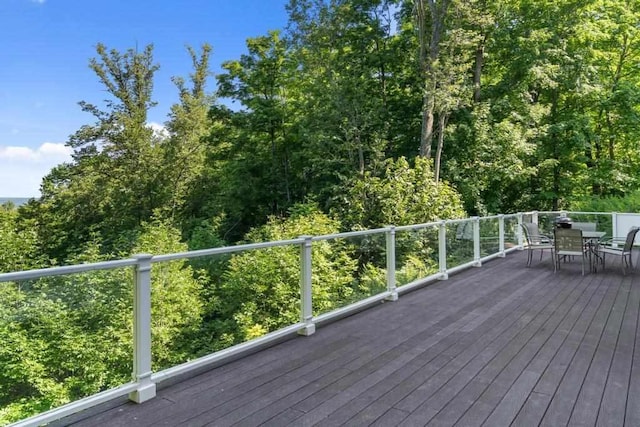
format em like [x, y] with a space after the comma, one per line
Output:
[18, 243]
[430, 30]
[401, 195]
[71, 336]
[110, 186]
[448, 46]
[260, 167]
[189, 125]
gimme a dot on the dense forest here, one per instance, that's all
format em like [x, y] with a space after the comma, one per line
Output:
[360, 113]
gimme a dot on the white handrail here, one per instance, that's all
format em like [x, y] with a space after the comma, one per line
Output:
[67, 269]
[223, 250]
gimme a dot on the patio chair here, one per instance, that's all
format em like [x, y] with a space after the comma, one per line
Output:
[536, 241]
[619, 247]
[568, 242]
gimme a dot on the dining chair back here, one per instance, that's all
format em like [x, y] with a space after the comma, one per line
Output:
[535, 241]
[569, 242]
[612, 247]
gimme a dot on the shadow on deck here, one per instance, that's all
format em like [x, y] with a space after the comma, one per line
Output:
[493, 346]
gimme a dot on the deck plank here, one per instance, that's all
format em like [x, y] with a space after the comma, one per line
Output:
[565, 396]
[585, 411]
[514, 384]
[498, 345]
[496, 360]
[612, 408]
[463, 344]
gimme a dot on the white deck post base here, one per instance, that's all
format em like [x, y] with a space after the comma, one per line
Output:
[307, 330]
[143, 393]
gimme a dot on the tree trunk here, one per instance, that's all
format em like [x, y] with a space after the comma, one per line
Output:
[427, 126]
[437, 9]
[442, 123]
[360, 153]
[477, 73]
[556, 169]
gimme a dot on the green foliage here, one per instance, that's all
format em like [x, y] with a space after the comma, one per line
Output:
[261, 288]
[402, 195]
[71, 336]
[628, 203]
[18, 242]
[176, 300]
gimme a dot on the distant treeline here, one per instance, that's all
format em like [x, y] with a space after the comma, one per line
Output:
[16, 201]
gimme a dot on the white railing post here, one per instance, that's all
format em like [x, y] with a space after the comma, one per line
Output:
[501, 234]
[520, 240]
[442, 249]
[476, 242]
[306, 301]
[534, 217]
[391, 263]
[146, 388]
[614, 224]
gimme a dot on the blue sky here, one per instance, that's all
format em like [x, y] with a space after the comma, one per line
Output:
[46, 46]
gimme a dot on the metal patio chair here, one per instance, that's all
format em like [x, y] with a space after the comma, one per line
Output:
[536, 241]
[568, 242]
[621, 247]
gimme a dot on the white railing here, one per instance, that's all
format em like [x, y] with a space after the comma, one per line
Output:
[144, 381]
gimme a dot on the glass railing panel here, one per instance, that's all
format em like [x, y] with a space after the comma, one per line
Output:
[601, 221]
[210, 303]
[459, 243]
[511, 231]
[546, 222]
[489, 236]
[63, 338]
[347, 270]
[416, 254]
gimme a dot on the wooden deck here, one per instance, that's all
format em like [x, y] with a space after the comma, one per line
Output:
[496, 346]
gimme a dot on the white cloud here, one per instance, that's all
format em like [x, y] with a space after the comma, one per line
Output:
[158, 129]
[47, 152]
[22, 168]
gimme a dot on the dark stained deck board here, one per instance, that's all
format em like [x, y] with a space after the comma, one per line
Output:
[514, 383]
[552, 373]
[565, 396]
[514, 399]
[476, 380]
[496, 345]
[612, 408]
[632, 412]
[592, 389]
[418, 376]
